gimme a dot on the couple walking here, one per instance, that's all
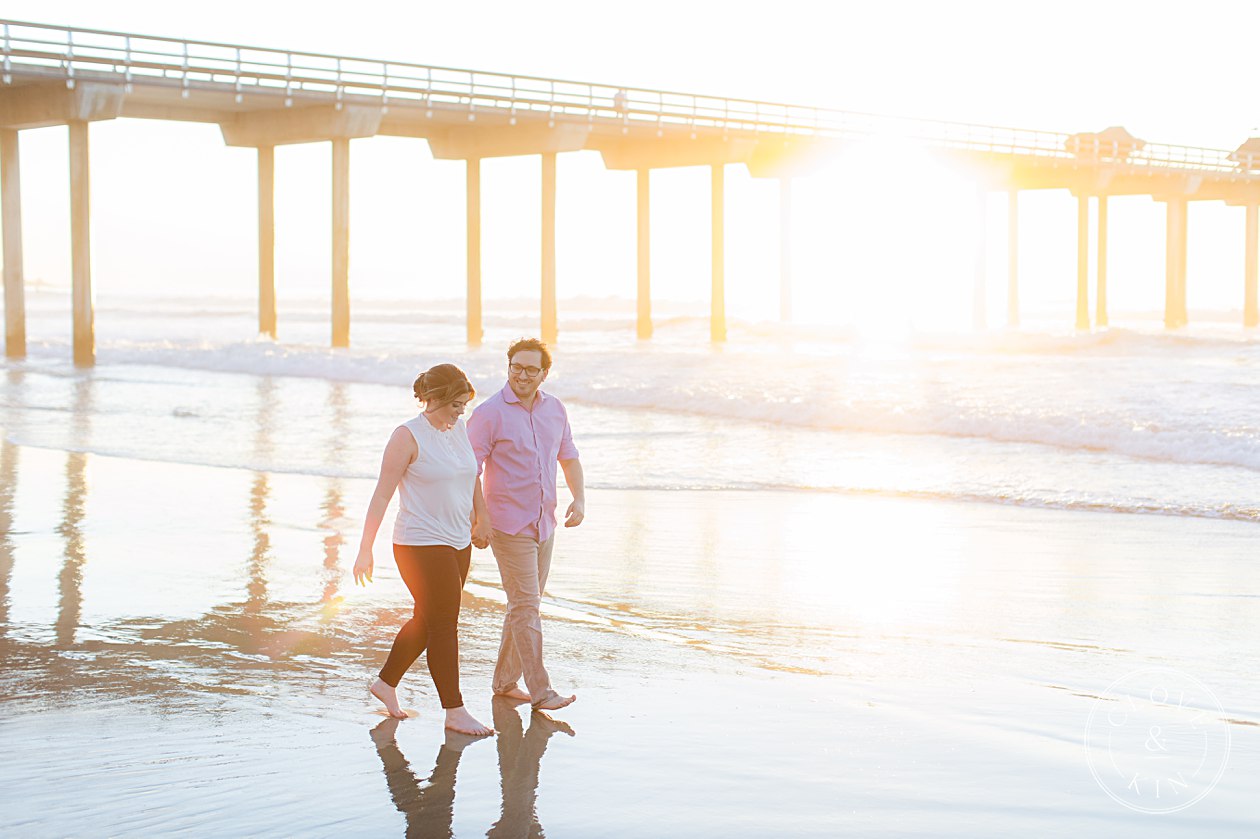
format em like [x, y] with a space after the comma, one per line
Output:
[437, 463]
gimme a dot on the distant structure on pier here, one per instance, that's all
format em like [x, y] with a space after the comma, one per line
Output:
[263, 98]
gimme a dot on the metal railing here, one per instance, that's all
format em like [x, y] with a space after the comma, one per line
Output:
[66, 52]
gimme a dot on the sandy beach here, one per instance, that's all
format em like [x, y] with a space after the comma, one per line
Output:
[183, 651]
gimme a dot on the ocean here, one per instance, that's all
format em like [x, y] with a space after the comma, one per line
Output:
[1126, 420]
[829, 582]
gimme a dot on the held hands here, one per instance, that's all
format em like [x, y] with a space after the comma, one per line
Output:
[481, 534]
[363, 568]
[574, 515]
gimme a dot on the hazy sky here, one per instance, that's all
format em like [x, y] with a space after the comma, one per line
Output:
[174, 208]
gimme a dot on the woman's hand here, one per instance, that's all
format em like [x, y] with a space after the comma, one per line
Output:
[481, 534]
[363, 568]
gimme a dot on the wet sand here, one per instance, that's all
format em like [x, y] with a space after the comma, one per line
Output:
[182, 651]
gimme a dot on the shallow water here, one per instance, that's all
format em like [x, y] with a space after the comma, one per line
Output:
[182, 649]
[887, 596]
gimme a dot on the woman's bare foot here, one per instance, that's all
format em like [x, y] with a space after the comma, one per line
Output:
[515, 693]
[389, 697]
[554, 702]
[458, 719]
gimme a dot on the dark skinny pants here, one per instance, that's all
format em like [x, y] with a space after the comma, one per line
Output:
[435, 576]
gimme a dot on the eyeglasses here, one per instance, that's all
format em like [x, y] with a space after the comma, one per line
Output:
[517, 370]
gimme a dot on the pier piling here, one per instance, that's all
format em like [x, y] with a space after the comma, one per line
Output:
[1175, 263]
[643, 297]
[548, 315]
[11, 218]
[717, 302]
[1082, 262]
[341, 242]
[84, 327]
[473, 206]
[1012, 258]
[267, 241]
[1251, 316]
[1100, 317]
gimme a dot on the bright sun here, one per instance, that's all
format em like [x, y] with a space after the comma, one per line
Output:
[885, 242]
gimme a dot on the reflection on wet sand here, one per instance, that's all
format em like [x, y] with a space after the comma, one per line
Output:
[259, 523]
[71, 527]
[334, 506]
[242, 644]
[334, 512]
[8, 485]
[520, 757]
[429, 806]
[429, 809]
[256, 588]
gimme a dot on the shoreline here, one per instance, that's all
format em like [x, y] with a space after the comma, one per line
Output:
[881, 693]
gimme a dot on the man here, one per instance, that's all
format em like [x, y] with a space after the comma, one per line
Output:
[518, 436]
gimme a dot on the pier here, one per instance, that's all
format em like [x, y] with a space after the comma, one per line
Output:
[262, 98]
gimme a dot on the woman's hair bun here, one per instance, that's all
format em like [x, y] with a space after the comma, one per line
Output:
[441, 384]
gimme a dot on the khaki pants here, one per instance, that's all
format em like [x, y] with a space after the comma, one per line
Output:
[523, 566]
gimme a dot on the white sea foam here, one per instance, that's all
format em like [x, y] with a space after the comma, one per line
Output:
[1159, 408]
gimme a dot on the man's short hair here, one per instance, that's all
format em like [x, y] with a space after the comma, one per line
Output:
[528, 344]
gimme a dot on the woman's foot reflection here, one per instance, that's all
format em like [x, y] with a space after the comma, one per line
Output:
[428, 806]
[384, 733]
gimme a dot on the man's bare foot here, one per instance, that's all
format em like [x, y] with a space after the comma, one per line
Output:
[553, 702]
[458, 719]
[514, 693]
[389, 697]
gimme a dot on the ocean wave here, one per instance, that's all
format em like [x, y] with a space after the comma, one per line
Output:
[1207, 414]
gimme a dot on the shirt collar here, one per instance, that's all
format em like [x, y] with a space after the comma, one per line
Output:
[510, 396]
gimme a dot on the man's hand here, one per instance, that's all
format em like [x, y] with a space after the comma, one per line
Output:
[363, 568]
[481, 534]
[574, 515]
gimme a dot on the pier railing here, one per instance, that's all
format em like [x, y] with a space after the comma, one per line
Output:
[69, 53]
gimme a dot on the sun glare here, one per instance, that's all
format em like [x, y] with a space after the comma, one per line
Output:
[886, 240]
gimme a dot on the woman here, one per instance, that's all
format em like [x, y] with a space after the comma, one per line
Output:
[432, 461]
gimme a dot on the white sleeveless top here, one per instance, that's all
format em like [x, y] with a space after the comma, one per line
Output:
[435, 494]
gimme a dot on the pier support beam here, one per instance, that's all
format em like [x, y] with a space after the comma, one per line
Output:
[643, 321]
[785, 249]
[717, 304]
[473, 207]
[1082, 262]
[1175, 264]
[341, 242]
[548, 313]
[267, 240]
[11, 216]
[979, 291]
[1100, 317]
[1251, 313]
[1012, 258]
[84, 329]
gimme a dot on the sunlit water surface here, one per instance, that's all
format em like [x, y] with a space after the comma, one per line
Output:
[824, 587]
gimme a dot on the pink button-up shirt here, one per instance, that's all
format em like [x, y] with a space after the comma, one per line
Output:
[518, 450]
